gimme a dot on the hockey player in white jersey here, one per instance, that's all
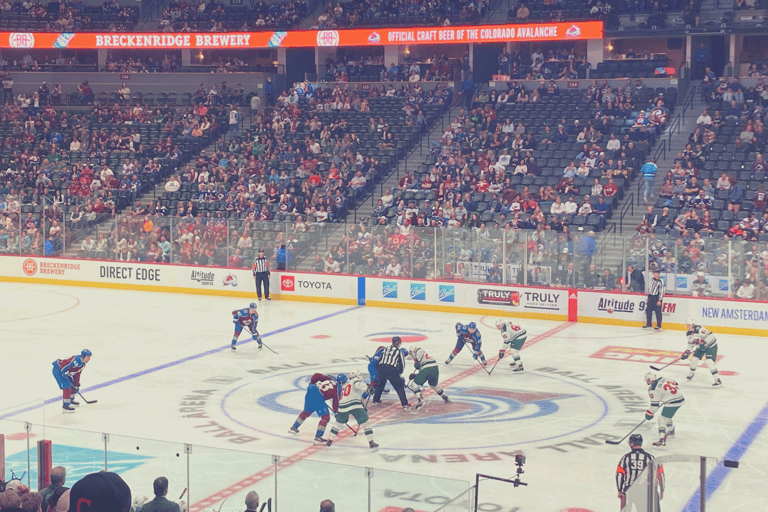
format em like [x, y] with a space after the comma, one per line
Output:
[665, 394]
[351, 403]
[514, 336]
[427, 371]
[702, 344]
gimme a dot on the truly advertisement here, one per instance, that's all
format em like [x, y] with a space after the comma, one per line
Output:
[500, 297]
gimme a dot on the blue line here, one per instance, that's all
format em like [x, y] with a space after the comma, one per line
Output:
[178, 362]
[739, 448]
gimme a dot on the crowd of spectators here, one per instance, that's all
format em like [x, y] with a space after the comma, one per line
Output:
[201, 16]
[68, 15]
[561, 63]
[397, 12]
[62, 171]
[437, 68]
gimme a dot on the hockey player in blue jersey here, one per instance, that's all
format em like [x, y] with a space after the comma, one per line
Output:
[246, 317]
[468, 334]
[373, 369]
[67, 374]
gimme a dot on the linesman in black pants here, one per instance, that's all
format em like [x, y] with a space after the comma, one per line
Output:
[391, 366]
[655, 299]
[261, 274]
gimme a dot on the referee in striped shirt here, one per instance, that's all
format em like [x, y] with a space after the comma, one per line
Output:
[629, 470]
[261, 274]
[655, 299]
[391, 366]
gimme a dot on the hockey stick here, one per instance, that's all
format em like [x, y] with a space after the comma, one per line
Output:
[257, 337]
[483, 367]
[670, 364]
[494, 367]
[183, 493]
[608, 441]
[87, 401]
[353, 430]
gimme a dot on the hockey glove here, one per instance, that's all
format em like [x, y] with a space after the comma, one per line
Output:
[501, 355]
[648, 415]
[412, 376]
[75, 389]
[685, 355]
[475, 355]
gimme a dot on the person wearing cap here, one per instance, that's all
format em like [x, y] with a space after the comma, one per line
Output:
[67, 374]
[248, 318]
[629, 471]
[160, 503]
[100, 492]
[655, 298]
[261, 274]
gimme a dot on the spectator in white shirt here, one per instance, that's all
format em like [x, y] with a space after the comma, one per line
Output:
[505, 158]
[393, 269]
[586, 207]
[723, 183]
[332, 266]
[613, 144]
[704, 119]
[172, 185]
[557, 208]
[597, 188]
[570, 206]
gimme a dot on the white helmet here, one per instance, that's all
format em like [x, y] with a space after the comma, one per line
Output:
[650, 377]
[690, 322]
[500, 323]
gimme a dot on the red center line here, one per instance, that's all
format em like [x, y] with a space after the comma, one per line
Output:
[376, 417]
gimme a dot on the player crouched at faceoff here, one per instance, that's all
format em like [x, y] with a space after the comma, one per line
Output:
[321, 388]
[665, 394]
[514, 336]
[427, 371]
[468, 334]
[352, 391]
[67, 374]
[248, 318]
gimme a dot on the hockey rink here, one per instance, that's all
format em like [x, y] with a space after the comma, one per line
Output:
[164, 376]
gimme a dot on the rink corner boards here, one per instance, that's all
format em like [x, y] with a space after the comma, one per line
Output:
[723, 315]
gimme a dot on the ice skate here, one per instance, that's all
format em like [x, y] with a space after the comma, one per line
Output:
[717, 383]
[293, 430]
[233, 347]
[420, 404]
[407, 408]
[447, 361]
[329, 443]
[319, 439]
[67, 407]
[690, 375]
[371, 444]
[661, 442]
[446, 399]
[518, 368]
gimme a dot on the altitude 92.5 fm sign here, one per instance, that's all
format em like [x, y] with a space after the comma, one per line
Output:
[579, 30]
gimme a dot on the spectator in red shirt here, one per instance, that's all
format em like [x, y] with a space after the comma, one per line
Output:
[610, 188]
[235, 260]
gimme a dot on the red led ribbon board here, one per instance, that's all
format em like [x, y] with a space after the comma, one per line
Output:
[307, 38]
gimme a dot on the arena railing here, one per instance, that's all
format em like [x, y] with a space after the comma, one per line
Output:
[211, 476]
[701, 265]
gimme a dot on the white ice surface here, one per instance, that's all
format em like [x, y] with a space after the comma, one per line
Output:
[140, 342]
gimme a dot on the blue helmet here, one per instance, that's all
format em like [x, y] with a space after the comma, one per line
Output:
[342, 378]
[85, 353]
[253, 305]
[472, 325]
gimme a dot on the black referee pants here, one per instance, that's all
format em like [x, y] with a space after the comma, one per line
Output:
[390, 373]
[262, 278]
[650, 307]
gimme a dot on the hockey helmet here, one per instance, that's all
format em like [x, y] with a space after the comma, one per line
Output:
[472, 325]
[252, 305]
[690, 322]
[458, 326]
[636, 439]
[650, 377]
[86, 353]
[342, 378]
[500, 324]
[396, 341]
